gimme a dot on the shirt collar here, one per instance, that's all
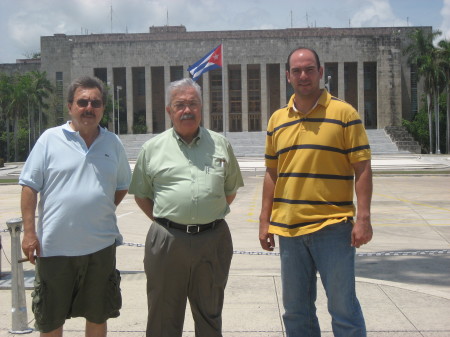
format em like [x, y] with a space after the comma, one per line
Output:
[194, 141]
[323, 100]
[68, 128]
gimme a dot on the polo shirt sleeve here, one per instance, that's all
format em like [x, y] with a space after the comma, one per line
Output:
[233, 179]
[271, 157]
[356, 140]
[141, 182]
[124, 171]
[33, 171]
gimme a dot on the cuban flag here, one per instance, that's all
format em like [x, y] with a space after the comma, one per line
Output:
[210, 61]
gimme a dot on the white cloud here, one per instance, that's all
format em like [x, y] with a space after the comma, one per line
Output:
[445, 13]
[375, 13]
[23, 22]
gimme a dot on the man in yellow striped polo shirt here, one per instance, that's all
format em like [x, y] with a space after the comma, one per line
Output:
[317, 152]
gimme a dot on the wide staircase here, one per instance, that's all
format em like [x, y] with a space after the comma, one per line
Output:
[251, 144]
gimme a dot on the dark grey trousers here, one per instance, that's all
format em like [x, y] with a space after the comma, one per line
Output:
[181, 266]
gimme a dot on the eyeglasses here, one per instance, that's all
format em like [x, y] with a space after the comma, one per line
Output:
[83, 103]
[180, 106]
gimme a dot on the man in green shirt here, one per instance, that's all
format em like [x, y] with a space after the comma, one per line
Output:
[184, 180]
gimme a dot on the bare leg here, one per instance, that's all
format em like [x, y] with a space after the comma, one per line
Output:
[58, 332]
[96, 330]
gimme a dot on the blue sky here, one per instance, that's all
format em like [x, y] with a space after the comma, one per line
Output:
[22, 22]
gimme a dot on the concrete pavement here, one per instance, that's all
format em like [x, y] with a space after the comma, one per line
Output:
[403, 275]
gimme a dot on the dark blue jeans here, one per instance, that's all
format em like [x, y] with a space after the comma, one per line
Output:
[327, 251]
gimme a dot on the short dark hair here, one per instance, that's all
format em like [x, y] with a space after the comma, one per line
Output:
[288, 64]
[86, 82]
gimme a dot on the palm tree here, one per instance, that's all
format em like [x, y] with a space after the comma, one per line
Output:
[38, 91]
[444, 61]
[20, 95]
[422, 54]
[18, 106]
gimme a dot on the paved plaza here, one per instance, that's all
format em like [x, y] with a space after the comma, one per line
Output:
[403, 274]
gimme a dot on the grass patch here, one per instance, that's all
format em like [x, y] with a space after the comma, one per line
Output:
[9, 180]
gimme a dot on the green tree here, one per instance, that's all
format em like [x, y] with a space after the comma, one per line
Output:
[444, 62]
[5, 95]
[39, 90]
[422, 54]
[20, 96]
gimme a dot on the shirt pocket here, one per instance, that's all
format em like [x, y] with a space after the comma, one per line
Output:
[215, 176]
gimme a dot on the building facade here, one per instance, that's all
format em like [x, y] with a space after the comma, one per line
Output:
[364, 66]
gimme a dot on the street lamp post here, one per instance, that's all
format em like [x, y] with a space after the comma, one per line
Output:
[118, 110]
[113, 112]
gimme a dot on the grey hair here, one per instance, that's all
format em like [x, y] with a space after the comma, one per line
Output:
[183, 83]
[86, 82]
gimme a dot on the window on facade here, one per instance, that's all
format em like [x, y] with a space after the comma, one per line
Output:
[331, 78]
[176, 73]
[370, 95]
[235, 97]
[139, 107]
[254, 97]
[351, 83]
[216, 108]
[60, 97]
[101, 74]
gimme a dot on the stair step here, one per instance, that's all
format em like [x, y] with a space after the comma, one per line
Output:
[252, 144]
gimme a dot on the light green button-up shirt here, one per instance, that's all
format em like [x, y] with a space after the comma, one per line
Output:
[187, 182]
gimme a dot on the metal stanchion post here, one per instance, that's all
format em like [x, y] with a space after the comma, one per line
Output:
[19, 306]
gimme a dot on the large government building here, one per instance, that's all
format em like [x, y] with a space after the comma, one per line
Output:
[364, 66]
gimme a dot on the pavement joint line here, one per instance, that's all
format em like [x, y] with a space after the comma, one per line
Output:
[279, 305]
[398, 308]
[412, 202]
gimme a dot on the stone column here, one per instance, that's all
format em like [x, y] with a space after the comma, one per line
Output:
[148, 99]
[361, 90]
[341, 81]
[282, 84]
[110, 82]
[166, 83]
[206, 113]
[389, 96]
[264, 97]
[129, 98]
[225, 98]
[244, 96]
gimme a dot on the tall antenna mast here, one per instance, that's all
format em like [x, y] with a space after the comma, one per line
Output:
[111, 16]
[167, 17]
[291, 19]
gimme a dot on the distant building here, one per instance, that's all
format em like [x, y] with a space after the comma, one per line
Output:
[366, 67]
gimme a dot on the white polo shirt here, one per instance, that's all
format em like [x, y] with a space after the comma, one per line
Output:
[77, 187]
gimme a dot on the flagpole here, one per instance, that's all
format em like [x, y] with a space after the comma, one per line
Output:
[224, 122]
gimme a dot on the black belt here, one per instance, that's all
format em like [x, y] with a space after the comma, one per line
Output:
[190, 229]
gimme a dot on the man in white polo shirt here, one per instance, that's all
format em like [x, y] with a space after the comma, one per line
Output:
[81, 172]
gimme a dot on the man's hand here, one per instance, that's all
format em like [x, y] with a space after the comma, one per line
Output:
[30, 242]
[30, 245]
[362, 233]
[362, 230]
[266, 239]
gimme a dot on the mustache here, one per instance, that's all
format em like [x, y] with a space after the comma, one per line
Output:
[88, 114]
[187, 116]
